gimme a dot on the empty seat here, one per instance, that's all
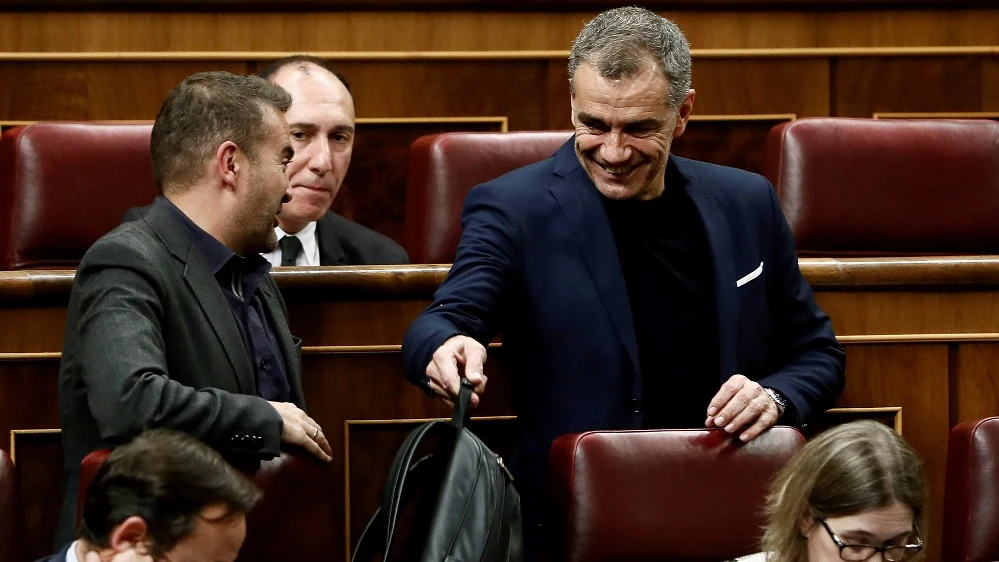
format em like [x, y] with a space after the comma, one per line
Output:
[887, 187]
[443, 168]
[670, 495]
[971, 497]
[64, 185]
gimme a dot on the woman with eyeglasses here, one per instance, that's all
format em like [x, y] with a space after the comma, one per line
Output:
[856, 492]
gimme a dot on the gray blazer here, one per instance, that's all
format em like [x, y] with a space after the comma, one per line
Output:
[151, 342]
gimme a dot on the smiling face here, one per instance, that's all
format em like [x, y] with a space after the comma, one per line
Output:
[624, 130]
[890, 525]
[321, 121]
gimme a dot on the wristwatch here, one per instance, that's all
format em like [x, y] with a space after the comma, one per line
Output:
[778, 399]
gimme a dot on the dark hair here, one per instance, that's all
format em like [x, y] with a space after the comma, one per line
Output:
[204, 111]
[165, 477]
[303, 62]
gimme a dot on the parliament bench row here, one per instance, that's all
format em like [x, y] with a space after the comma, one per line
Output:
[849, 187]
[595, 494]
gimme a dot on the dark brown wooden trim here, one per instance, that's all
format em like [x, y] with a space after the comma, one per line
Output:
[420, 281]
[479, 5]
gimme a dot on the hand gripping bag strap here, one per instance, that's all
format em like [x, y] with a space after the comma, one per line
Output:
[461, 405]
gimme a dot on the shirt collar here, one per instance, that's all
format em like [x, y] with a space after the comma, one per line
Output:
[310, 246]
[216, 254]
[71, 553]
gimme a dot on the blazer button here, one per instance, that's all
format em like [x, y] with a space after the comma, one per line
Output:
[636, 405]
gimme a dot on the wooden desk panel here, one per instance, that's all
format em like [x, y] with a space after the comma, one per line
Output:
[922, 336]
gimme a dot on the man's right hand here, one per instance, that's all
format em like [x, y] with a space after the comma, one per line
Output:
[460, 356]
[299, 429]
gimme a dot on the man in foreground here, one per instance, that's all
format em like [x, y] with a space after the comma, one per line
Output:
[633, 288]
[164, 496]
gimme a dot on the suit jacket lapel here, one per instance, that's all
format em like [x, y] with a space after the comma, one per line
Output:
[584, 212]
[712, 212]
[206, 292]
[279, 324]
[330, 250]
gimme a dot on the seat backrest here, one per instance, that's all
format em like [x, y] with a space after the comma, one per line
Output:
[293, 521]
[887, 187]
[669, 495]
[10, 522]
[971, 496]
[443, 168]
[64, 185]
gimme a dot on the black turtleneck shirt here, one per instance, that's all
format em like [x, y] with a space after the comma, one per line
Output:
[664, 254]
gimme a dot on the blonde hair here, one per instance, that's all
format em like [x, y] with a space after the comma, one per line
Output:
[847, 470]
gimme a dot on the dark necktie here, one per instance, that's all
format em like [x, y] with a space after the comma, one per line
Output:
[291, 248]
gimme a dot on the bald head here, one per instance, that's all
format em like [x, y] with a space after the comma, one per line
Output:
[321, 120]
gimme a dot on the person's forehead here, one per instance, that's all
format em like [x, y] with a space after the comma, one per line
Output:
[894, 518]
[311, 86]
[219, 530]
[277, 125]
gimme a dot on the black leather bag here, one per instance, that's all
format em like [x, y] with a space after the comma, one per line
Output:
[466, 508]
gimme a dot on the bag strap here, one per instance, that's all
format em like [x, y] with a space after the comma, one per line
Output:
[404, 470]
[373, 538]
[461, 405]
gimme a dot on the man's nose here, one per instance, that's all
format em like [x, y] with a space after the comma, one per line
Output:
[321, 159]
[615, 149]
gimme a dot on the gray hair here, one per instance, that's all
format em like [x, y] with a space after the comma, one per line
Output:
[620, 42]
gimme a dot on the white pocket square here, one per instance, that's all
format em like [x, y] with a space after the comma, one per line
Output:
[750, 276]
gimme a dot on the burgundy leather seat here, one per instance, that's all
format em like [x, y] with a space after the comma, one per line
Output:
[672, 495]
[293, 521]
[971, 498]
[443, 168]
[887, 187]
[64, 185]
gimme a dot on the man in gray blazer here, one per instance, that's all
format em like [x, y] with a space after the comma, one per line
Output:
[174, 320]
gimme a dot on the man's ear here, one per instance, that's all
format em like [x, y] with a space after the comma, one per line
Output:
[130, 533]
[686, 108]
[572, 110]
[227, 165]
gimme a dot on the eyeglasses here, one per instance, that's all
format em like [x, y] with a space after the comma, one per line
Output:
[860, 552]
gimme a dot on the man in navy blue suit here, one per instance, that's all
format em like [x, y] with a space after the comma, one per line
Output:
[633, 288]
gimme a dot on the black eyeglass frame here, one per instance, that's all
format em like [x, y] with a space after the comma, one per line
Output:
[883, 549]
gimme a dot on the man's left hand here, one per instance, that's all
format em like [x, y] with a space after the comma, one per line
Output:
[741, 403]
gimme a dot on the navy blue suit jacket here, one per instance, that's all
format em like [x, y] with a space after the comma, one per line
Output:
[537, 262]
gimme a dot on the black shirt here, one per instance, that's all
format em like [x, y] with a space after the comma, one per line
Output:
[239, 277]
[663, 248]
